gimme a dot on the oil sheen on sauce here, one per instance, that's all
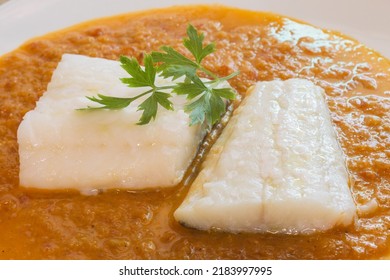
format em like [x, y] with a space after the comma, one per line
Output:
[139, 225]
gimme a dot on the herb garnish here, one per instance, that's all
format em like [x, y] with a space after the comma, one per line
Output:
[206, 99]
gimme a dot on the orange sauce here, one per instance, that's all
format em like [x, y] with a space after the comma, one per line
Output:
[139, 225]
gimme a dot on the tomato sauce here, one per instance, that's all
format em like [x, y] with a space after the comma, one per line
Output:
[121, 224]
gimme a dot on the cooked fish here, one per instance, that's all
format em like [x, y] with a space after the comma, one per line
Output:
[277, 167]
[61, 147]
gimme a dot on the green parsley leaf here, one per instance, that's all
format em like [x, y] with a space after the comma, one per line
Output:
[197, 110]
[194, 43]
[218, 108]
[192, 88]
[226, 93]
[109, 102]
[139, 77]
[208, 107]
[174, 64]
[189, 89]
[163, 99]
[149, 106]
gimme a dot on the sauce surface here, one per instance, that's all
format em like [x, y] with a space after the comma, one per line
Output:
[139, 225]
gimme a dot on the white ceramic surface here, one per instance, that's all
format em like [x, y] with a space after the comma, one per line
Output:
[365, 20]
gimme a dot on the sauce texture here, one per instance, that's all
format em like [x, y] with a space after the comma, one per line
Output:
[122, 224]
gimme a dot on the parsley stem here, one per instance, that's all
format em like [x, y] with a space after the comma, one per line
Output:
[164, 87]
[142, 94]
[208, 72]
[228, 77]
[217, 81]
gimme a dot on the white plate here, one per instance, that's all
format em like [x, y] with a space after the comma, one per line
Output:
[365, 20]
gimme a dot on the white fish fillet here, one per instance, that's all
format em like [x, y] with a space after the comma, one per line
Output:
[60, 147]
[277, 167]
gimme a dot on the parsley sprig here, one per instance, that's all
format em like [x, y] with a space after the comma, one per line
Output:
[205, 98]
